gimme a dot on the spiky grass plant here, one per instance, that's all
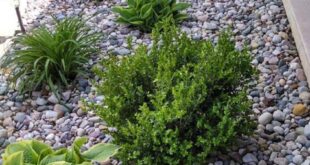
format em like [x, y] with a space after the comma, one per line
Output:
[52, 57]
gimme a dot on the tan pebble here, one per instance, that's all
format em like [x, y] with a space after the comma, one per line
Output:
[300, 110]
[282, 82]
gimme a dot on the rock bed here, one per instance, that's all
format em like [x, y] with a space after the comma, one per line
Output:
[280, 97]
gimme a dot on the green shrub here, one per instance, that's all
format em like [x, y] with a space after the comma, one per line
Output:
[144, 14]
[33, 152]
[52, 58]
[177, 102]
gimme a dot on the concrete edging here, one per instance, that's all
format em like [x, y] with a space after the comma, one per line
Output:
[298, 13]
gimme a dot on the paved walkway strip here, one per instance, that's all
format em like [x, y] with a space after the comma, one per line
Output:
[298, 13]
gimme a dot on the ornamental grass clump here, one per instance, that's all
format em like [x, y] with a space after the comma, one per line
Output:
[52, 57]
[177, 102]
[144, 14]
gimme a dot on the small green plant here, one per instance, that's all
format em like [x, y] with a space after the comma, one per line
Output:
[144, 14]
[33, 152]
[177, 102]
[52, 58]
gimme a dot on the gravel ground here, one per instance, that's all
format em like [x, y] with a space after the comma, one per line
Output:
[280, 97]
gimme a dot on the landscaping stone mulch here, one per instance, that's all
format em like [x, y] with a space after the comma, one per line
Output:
[280, 97]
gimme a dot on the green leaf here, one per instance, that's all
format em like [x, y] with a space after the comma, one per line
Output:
[131, 3]
[180, 17]
[14, 159]
[29, 154]
[74, 154]
[52, 158]
[39, 147]
[180, 6]
[60, 163]
[136, 22]
[79, 142]
[100, 152]
[146, 11]
[126, 13]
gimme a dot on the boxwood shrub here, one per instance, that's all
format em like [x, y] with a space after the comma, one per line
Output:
[177, 102]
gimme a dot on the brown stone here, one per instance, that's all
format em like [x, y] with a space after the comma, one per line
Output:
[300, 75]
[300, 110]
[294, 86]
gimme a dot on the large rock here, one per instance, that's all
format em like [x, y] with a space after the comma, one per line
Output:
[265, 118]
[278, 115]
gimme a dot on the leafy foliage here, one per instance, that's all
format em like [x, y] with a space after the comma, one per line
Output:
[52, 58]
[144, 14]
[179, 101]
[33, 152]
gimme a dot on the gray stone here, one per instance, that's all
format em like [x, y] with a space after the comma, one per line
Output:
[210, 25]
[83, 83]
[300, 75]
[95, 134]
[60, 16]
[3, 133]
[121, 51]
[41, 101]
[202, 18]
[278, 115]
[301, 139]
[262, 162]
[290, 136]
[278, 130]
[265, 17]
[60, 108]
[99, 98]
[265, 118]
[80, 132]
[273, 60]
[50, 136]
[298, 159]
[218, 163]
[306, 162]
[302, 122]
[1, 116]
[304, 96]
[84, 124]
[94, 119]
[307, 131]
[280, 161]
[248, 158]
[12, 139]
[300, 130]
[275, 9]
[291, 145]
[3, 90]
[276, 39]
[254, 93]
[247, 30]
[20, 117]
[52, 115]
[53, 99]
[66, 95]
